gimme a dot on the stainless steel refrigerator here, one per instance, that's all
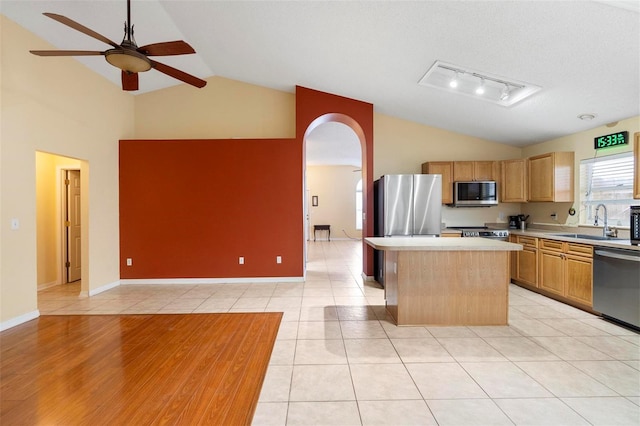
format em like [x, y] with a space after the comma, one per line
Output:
[406, 206]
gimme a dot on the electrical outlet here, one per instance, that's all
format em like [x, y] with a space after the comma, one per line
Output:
[241, 260]
[129, 261]
[554, 216]
[278, 259]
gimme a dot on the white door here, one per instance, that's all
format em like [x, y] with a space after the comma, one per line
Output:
[73, 226]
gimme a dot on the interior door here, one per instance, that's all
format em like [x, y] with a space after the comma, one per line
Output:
[73, 226]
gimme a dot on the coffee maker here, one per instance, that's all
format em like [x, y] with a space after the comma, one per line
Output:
[516, 222]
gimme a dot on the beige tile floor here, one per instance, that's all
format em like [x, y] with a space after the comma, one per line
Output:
[339, 360]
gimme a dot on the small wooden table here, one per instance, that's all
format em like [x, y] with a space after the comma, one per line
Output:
[322, 228]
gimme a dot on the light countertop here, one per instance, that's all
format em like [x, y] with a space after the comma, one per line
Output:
[622, 244]
[440, 244]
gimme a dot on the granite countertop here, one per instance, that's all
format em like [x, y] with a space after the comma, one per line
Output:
[440, 244]
[552, 235]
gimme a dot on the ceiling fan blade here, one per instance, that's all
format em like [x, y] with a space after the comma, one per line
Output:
[66, 52]
[167, 48]
[129, 81]
[79, 27]
[180, 75]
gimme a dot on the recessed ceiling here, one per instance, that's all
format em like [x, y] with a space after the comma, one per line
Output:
[584, 54]
[478, 85]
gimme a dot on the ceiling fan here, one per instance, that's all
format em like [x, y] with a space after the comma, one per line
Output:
[127, 56]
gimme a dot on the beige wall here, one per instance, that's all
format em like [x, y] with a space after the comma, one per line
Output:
[55, 105]
[335, 187]
[49, 199]
[222, 109]
[582, 144]
[402, 146]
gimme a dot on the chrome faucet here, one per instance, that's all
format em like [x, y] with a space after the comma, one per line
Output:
[606, 231]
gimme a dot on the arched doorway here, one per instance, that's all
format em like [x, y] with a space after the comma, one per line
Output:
[314, 108]
[333, 168]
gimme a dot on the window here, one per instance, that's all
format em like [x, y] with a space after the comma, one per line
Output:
[609, 181]
[359, 205]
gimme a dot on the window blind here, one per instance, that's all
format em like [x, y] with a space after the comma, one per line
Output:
[607, 180]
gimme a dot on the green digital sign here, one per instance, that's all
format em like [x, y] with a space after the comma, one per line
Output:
[614, 139]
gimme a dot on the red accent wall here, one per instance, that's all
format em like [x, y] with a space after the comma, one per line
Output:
[190, 208]
[312, 105]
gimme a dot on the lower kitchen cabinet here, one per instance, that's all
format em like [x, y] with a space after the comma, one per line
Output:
[566, 270]
[579, 281]
[526, 262]
[552, 272]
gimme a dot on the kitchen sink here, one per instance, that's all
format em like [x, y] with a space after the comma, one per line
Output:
[587, 237]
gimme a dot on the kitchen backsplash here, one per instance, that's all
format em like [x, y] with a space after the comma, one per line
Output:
[478, 216]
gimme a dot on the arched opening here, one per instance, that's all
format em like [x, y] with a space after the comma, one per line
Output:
[334, 169]
[314, 108]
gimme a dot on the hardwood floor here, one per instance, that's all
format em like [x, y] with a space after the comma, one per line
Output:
[135, 369]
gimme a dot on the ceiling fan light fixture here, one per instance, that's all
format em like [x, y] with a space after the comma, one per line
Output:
[128, 60]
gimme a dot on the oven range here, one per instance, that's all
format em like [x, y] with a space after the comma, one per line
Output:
[482, 231]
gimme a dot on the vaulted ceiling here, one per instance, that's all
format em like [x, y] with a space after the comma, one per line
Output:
[584, 54]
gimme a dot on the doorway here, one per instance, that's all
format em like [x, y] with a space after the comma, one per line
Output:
[333, 168]
[58, 220]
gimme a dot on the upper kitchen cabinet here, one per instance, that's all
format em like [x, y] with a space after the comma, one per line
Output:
[464, 171]
[551, 177]
[636, 162]
[444, 168]
[513, 187]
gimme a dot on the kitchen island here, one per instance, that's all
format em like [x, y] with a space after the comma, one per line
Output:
[446, 281]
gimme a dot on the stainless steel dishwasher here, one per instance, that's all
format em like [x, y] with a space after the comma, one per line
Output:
[616, 284]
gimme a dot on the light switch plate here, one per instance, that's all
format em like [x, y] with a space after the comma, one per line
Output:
[15, 224]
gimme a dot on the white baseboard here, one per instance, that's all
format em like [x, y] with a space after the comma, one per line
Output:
[367, 277]
[94, 291]
[45, 286]
[211, 280]
[19, 320]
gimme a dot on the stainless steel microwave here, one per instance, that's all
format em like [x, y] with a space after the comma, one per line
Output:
[475, 194]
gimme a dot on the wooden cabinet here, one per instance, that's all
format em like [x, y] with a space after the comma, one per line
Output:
[636, 167]
[444, 168]
[527, 261]
[551, 177]
[513, 187]
[566, 270]
[450, 235]
[473, 170]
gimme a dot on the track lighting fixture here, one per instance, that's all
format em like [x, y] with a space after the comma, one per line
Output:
[477, 84]
[506, 92]
[454, 81]
[480, 89]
